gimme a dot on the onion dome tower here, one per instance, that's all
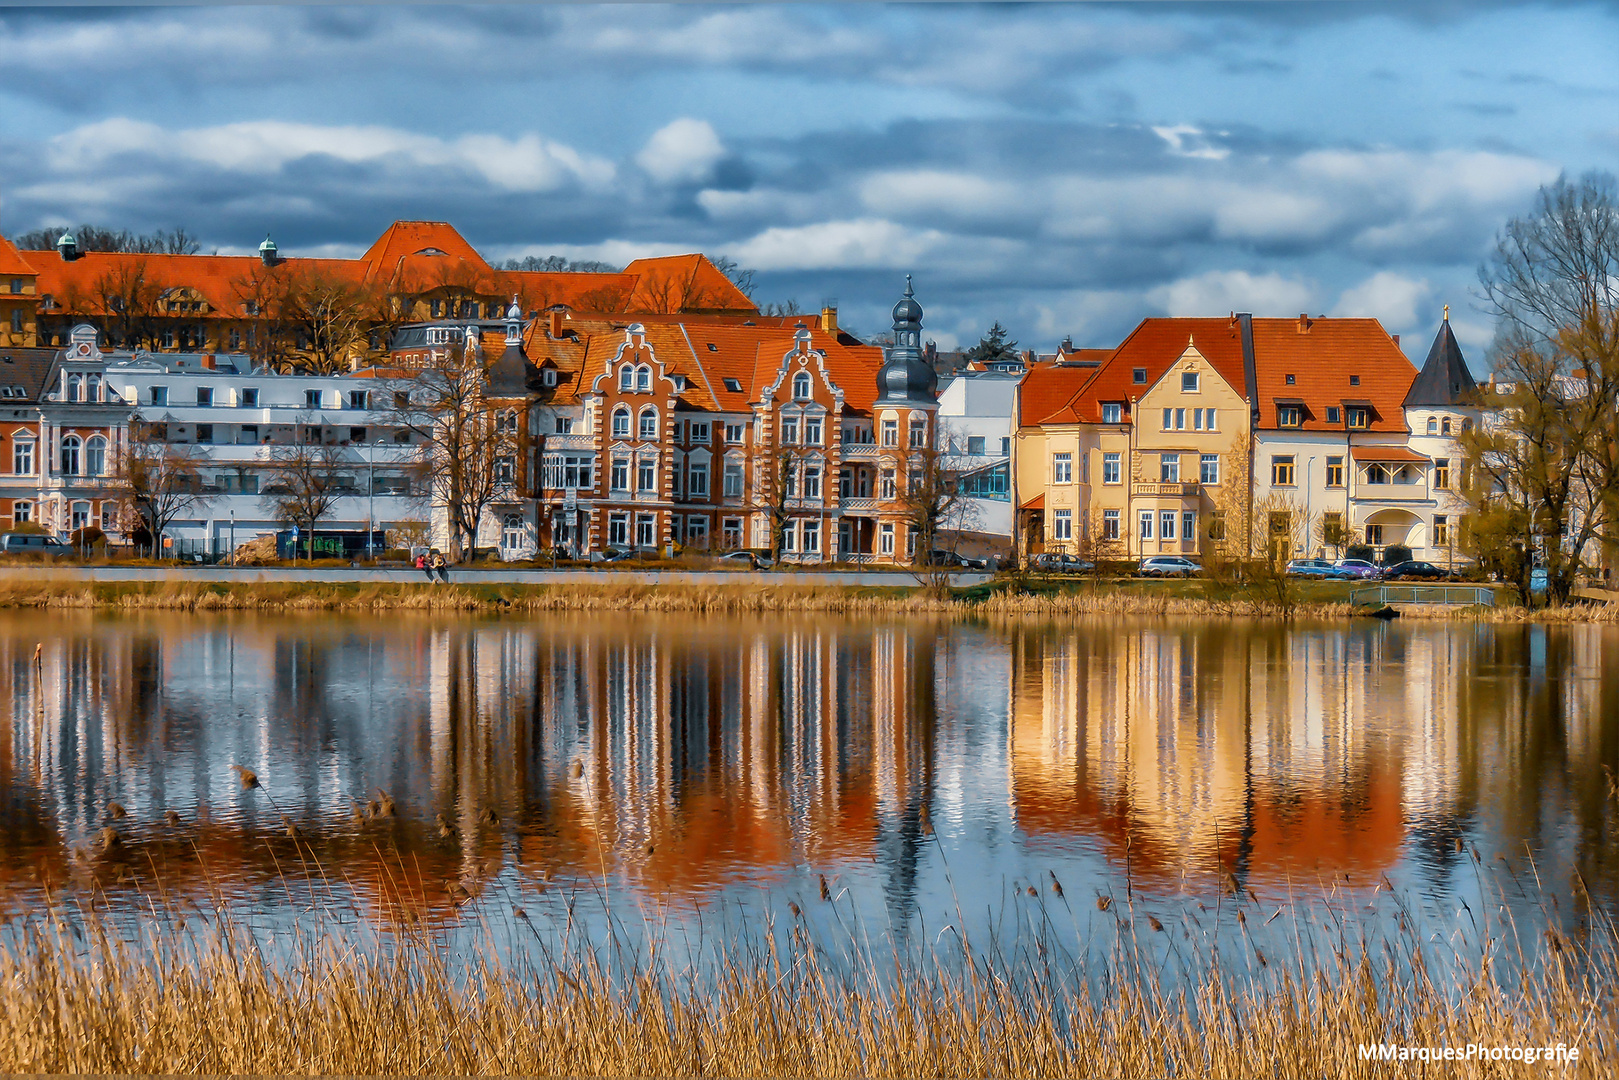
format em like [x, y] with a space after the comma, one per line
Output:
[906, 378]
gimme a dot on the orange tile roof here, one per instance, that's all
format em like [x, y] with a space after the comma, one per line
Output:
[683, 282]
[1048, 391]
[1386, 453]
[1321, 359]
[11, 261]
[1036, 503]
[404, 239]
[1154, 346]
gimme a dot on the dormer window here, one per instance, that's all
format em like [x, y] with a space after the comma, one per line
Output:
[1289, 416]
[1112, 413]
[1359, 418]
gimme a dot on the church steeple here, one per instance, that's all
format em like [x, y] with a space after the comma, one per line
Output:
[1444, 379]
[906, 377]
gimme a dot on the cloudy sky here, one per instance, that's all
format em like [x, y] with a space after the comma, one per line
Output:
[1064, 169]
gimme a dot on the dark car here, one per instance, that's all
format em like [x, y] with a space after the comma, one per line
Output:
[751, 559]
[1057, 562]
[1414, 569]
[950, 558]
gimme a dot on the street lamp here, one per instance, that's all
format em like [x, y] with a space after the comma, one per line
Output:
[370, 499]
[233, 535]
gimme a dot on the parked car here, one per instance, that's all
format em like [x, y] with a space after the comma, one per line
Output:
[1057, 562]
[1357, 568]
[617, 553]
[751, 559]
[1415, 569]
[33, 544]
[1321, 568]
[938, 557]
[1168, 566]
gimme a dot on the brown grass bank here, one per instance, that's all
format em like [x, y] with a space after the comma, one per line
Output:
[186, 1002]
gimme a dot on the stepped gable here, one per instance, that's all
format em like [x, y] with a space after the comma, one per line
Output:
[1154, 345]
[1322, 355]
[12, 263]
[1445, 380]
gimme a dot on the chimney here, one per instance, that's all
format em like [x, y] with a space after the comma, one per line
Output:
[1304, 322]
[207, 361]
[829, 319]
[1396, 340]
[556, 324]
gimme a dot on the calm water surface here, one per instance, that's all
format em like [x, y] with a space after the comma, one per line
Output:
[659, 770]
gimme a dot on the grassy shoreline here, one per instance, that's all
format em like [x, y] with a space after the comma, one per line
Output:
[999, 599]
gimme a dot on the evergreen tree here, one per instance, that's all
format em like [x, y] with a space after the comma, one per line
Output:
[993, 347]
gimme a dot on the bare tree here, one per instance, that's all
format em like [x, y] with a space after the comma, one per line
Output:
[1552, 451]
[158, 480]
[470, 445]
[308, 318]
[125, 298]
[305, 482]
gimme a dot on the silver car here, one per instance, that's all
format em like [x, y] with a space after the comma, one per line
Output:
[1168, 566]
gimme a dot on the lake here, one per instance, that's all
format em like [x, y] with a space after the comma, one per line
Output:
[626, 770]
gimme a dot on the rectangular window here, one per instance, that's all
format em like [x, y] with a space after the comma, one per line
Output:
[731, 533]
[812, 537]
[1359, 418]
[887, 488]
[700, 436]
[247, 435]
[205, 434]
[789, 432]
[1146, 524]
[1441, 530]
[646, 475]
[1289, 416]
[910, 543]
[1169, 419]
[733, 479]
[356, 435]
[919, 434]
[1138, 376]
[1112, 412]
[646, 530]
[1180, 419]
[1188, 382]
[22, 458]
[563, 426]
[1062, 468]
[697, 479]
[733, 433]
[1335, 471]
[1334, 415]
[1006, 445]
[1441, 477]
[1208, 468]
[975, 445]
[885, 539]
[812, 431]
[1282, 471]
[1188, 524]
[1110, 524]
[311, 399]
[205, 396]
[359, 399]
[618, 529]
[157, 395]
[620, 477]
[248, 397]
[812, 481]
[1374, 535]
[1062, 525]
[1169, 468]
[22, 511]
[789, 537]
[1110, 467]
[890, 432]
[1166, 525]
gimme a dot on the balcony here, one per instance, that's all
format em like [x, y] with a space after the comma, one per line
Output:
[858, 506]
[859, 451]
[1168, 490]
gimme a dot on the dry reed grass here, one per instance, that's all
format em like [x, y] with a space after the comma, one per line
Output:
[196, 1001]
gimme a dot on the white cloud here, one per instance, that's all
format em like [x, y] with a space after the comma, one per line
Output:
[526, 163]
[682, 151]
[1386, 296]
[1187, 141]
[959, 195]
[1220, 291]
[870, 243]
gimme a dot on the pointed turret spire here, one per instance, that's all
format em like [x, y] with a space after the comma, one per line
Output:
[1444, 379]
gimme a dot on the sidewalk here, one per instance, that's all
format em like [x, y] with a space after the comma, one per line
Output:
[458, 576]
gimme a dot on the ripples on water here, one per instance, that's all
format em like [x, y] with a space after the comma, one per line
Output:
[685, 773]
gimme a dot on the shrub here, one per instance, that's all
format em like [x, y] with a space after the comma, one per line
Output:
[1363, 552]
[1396, 553]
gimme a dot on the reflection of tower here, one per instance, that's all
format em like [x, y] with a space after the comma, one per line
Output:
[904, 720]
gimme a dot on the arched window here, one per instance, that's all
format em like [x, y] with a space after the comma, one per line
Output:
[75, 388]
[1433, 425]
[649, 424]
[1444, 426]
[95, 456]
[92, 387]
[621, 421]
[70, 456]
[801, 386]
[643, 378]
[626, 377]
[1467, 425]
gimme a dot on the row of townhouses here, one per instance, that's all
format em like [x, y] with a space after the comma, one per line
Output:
[658, 407]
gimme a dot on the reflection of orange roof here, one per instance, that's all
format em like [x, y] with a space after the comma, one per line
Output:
[11, 261]
[1312, 832]
[1386, 453]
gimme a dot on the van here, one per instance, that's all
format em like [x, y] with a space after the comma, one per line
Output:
[33, 544]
